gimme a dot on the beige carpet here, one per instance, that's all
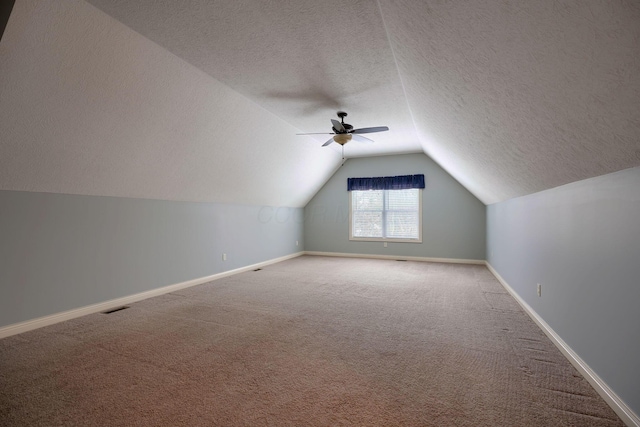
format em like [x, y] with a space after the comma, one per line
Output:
[311, 341]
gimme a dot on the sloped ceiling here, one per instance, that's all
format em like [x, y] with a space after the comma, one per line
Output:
[87, 106]
[509, 97]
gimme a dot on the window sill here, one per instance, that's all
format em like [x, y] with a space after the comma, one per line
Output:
[380, 239]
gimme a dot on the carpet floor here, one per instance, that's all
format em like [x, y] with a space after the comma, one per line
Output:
[313, 341]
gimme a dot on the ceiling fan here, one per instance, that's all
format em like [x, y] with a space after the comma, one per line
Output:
[344, 132]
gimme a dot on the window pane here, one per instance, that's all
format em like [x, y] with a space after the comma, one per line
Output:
[402, 225]
[367, 200]
[402, 200]
[367, 224]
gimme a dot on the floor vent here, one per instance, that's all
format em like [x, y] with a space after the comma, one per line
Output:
[113, 310]
[401, 260]
[257, 269]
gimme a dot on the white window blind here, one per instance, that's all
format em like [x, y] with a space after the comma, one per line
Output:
[386, 215]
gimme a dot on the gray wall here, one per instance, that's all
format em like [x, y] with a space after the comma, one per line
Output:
[581, 242]
[60, 252]
[453, 224]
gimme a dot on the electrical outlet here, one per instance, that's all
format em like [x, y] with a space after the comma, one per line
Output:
[224, 257]
[296, 243]
[539, 290]
[385, 244]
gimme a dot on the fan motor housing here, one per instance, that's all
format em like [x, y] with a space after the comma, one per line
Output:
[346, 126]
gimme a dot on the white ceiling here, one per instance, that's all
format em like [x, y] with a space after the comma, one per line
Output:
[509, 97]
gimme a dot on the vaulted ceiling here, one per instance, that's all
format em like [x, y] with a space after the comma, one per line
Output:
[201, 100]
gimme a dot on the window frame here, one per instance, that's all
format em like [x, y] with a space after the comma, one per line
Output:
[385, 239]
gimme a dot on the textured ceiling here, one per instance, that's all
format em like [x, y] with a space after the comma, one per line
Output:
[516, 97]
[509, 97]
[90, 107]
[301, 60]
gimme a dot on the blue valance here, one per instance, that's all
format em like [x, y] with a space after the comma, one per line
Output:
[402, 182]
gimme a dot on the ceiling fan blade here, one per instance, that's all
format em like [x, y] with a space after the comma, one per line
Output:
[338, 126]
[370, 130]
[328, 142]
[317, 133]
[361, 138]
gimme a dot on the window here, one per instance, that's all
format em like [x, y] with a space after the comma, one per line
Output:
[378, 214]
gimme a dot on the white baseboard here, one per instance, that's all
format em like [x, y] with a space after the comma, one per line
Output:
[18, 328]
[625, 413]
[396, 257]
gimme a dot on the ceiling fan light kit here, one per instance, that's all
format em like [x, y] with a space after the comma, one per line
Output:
[342, 138]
